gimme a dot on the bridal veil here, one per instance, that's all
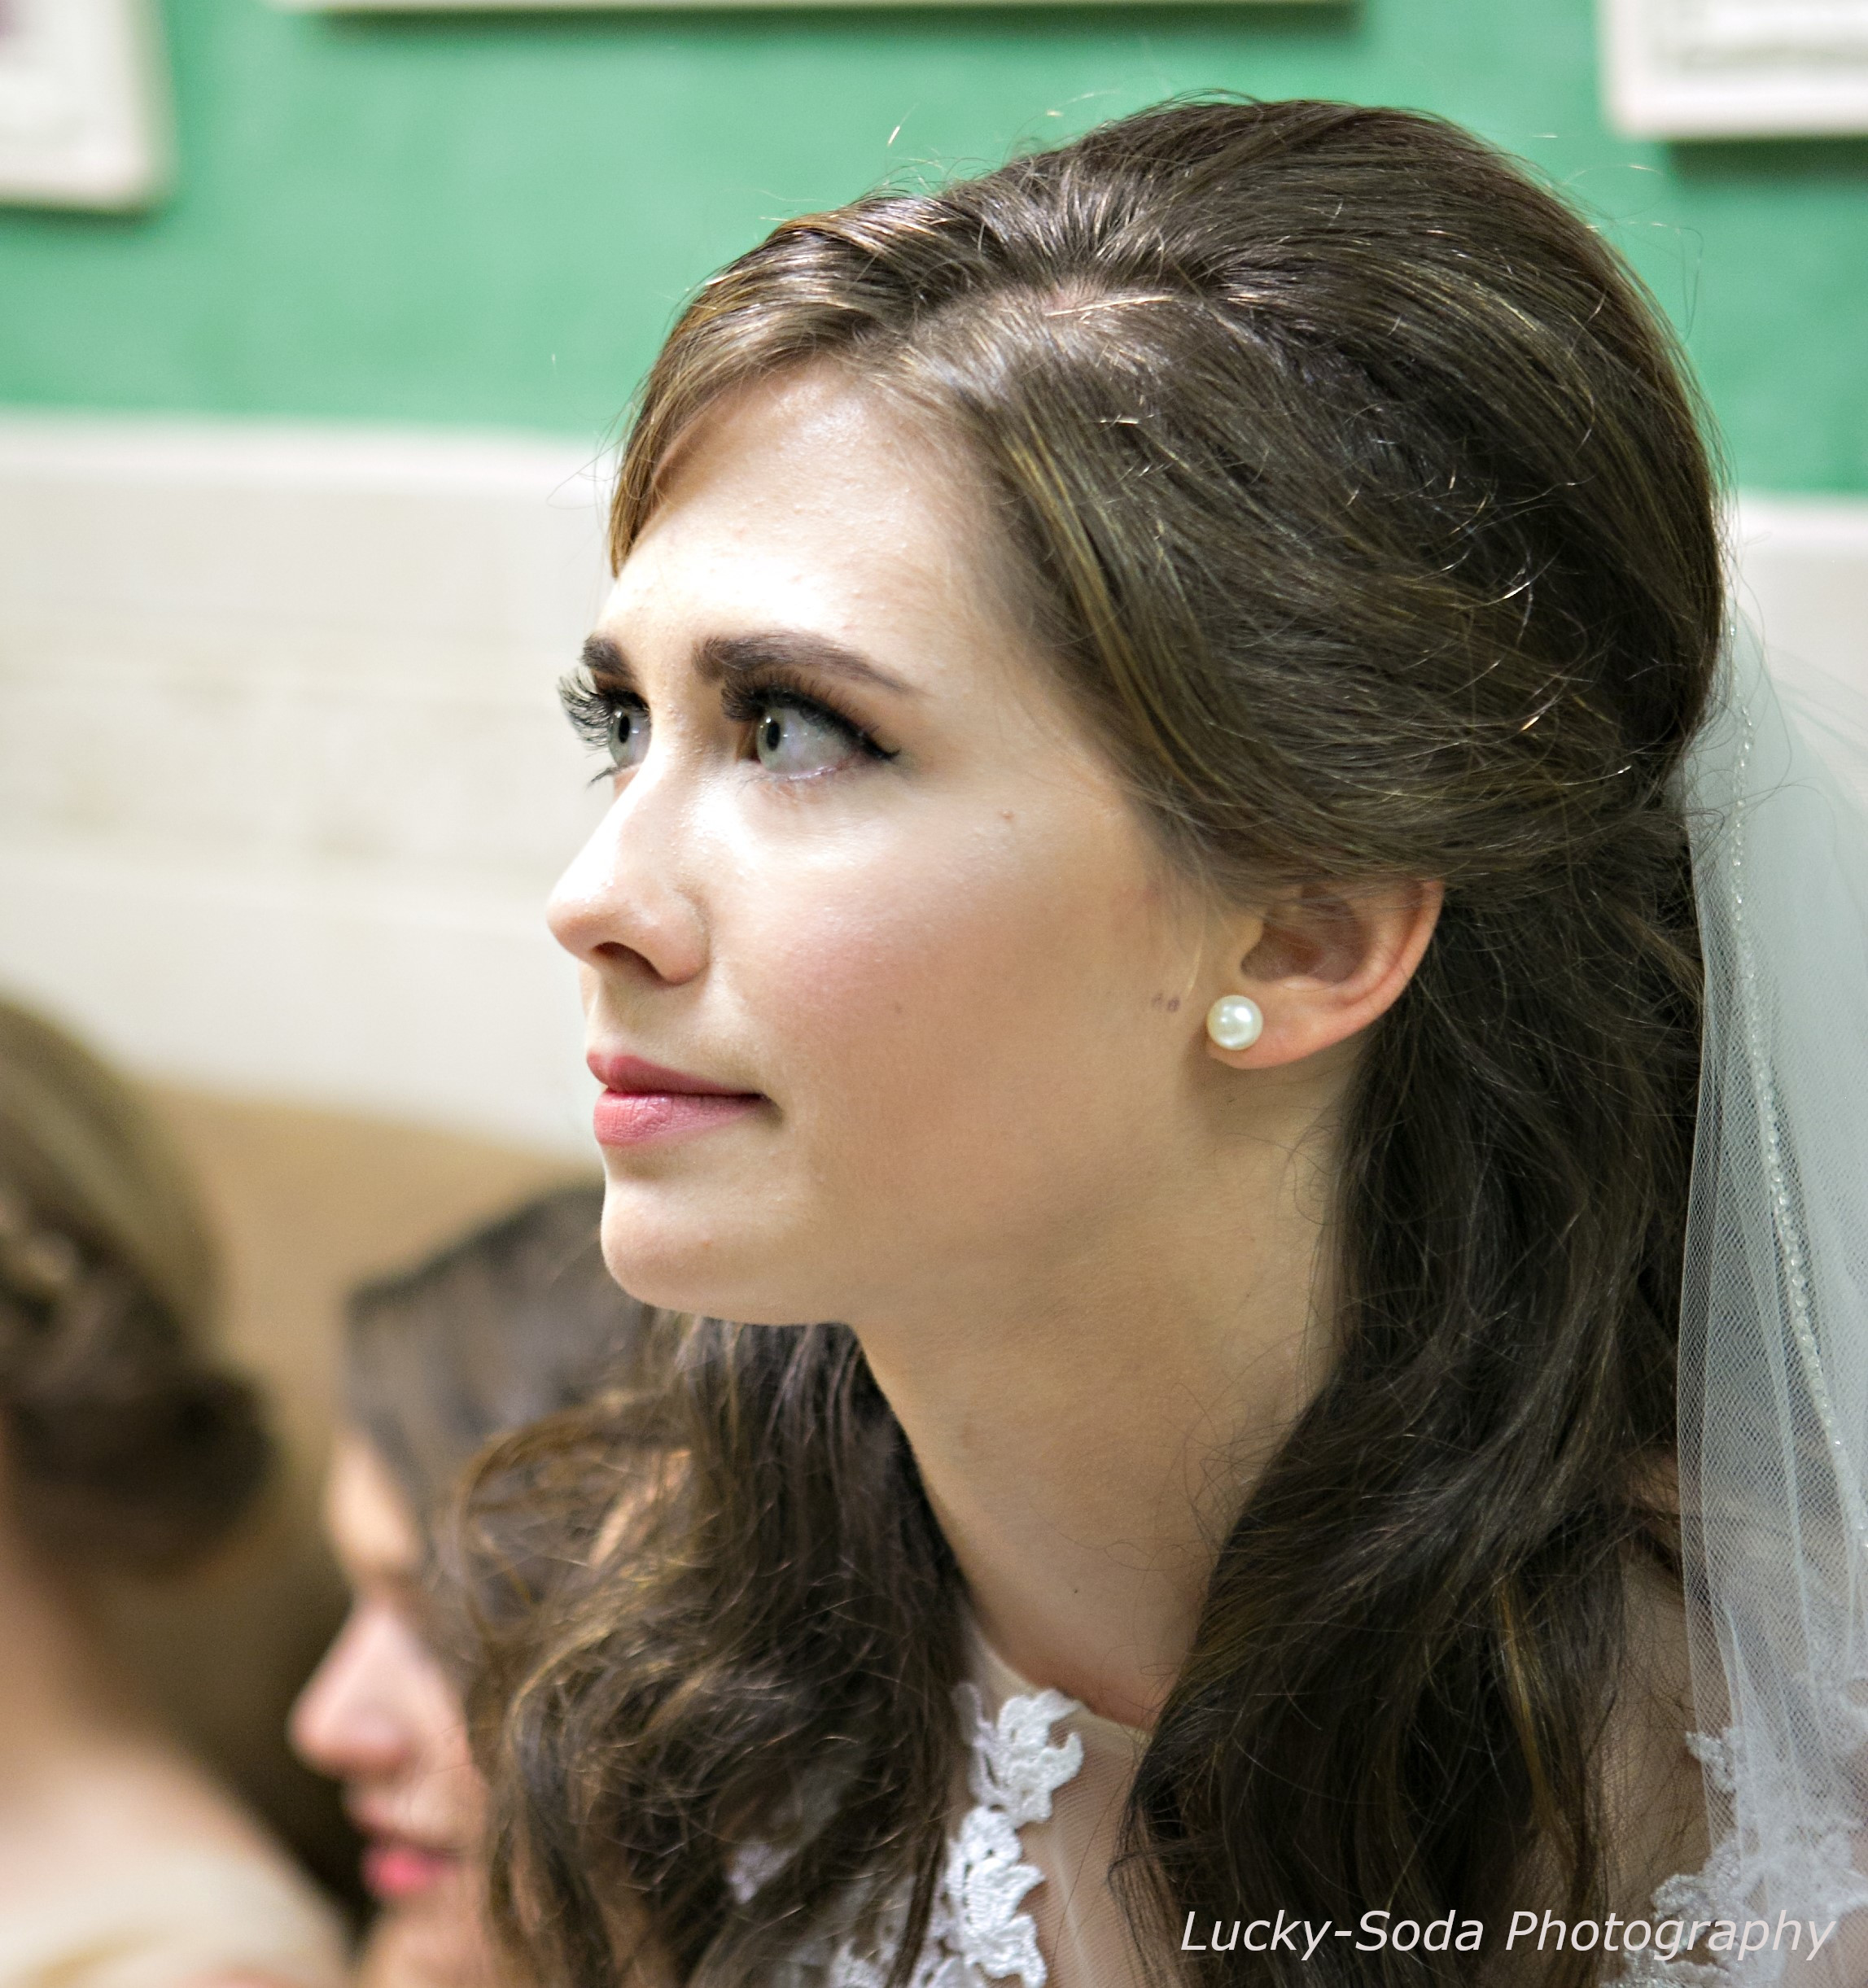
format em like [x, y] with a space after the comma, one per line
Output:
[1773, 1429]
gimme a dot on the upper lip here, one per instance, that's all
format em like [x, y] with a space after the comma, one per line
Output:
[378, 1825]
[633, 1073]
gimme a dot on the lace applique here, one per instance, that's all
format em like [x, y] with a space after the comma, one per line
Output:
[1823, 1880]
[979, 1933]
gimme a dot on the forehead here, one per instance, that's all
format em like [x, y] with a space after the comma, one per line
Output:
[817, 500]
[371, 1527]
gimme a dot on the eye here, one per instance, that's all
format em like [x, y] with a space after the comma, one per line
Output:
[613, 721]
[626, 734]
[795, 738]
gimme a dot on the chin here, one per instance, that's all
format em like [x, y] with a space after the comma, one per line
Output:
[438, 1942]
[665, 1257]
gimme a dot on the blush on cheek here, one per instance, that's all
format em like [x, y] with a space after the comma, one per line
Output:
[948, 1024]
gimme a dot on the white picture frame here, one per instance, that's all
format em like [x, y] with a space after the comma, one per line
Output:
[1735, 68]
[83, 117]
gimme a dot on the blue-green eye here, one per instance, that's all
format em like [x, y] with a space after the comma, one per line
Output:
[612, 721]
[626, 735]
[795, 740]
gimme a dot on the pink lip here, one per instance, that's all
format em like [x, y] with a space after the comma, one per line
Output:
[645, 1101]
[395, 1869]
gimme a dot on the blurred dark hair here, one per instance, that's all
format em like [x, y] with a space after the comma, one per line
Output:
[1356, 490]
[513, 1322]
[128, 1443]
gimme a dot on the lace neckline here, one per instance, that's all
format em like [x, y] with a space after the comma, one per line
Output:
[1002, 1682]
[981, 1935]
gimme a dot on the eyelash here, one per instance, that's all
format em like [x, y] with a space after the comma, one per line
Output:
[590, 706]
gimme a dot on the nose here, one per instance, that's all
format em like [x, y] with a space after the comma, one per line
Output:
[622, 907]
[348, 1722]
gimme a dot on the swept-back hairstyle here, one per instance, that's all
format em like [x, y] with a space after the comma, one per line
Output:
[128, 1442]
[1355, 492]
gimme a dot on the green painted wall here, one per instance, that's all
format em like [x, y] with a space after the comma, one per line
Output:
[489, 219]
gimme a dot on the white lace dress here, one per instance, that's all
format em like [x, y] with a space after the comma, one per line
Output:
[1025, 1903]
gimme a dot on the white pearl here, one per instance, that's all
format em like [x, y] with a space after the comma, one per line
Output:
[1234, 1022]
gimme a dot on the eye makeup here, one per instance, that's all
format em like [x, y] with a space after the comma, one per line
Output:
[756, 681]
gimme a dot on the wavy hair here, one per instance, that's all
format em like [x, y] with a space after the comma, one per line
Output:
[1358, 492]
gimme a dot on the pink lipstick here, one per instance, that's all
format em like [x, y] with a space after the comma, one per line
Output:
[644, 1102]
[395, 1869]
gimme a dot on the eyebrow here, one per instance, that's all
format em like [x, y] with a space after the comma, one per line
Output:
[722, 657]
[601, 656]
[725, 658]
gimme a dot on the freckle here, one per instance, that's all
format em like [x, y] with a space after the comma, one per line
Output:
[1174, 1006]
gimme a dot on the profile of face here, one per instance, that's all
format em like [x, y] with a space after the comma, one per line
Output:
[382, 1715]
[894, 995]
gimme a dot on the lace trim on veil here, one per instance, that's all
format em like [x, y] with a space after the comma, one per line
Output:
[1815, 1865]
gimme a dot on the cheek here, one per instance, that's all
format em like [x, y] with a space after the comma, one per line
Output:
[448, 1768]
[991, 1001]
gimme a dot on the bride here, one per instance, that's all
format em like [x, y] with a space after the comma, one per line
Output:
[1151, 698]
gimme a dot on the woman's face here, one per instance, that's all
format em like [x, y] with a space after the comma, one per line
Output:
[867, 886]
[383, 1715]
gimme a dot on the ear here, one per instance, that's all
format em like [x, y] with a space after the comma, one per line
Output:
[1325, 963]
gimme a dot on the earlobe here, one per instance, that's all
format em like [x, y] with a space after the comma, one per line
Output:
[1235, 1021]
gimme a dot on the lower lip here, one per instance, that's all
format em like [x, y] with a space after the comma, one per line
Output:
[641, 1117]
[393, 1872]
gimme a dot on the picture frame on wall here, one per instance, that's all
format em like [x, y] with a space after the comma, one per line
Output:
[83, 117]
[1735, 68]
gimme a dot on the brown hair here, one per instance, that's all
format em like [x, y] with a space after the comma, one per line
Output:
[516, 1320]
[128, 1443]
[515, 1324]
[1356, 490]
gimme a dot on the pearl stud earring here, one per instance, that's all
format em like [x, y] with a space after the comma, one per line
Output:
[1235, 1021]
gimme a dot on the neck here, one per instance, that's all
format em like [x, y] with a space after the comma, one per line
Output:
[54, 1680]
[1086, 1438]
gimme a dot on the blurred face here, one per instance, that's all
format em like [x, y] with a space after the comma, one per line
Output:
[383, 1716]
[882, 971]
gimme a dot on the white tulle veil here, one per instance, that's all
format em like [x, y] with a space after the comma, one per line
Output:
[1774, 1428]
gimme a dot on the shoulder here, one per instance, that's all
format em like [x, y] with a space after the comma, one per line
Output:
[139, 1872]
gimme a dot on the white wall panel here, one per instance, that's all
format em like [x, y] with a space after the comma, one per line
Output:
[282, 778]
[1804, 566]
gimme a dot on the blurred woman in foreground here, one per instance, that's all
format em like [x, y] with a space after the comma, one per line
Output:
[124, 1446]
[517, 1321]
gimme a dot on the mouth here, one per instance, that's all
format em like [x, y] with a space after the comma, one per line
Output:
[396, 1869]
[643, 1103]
